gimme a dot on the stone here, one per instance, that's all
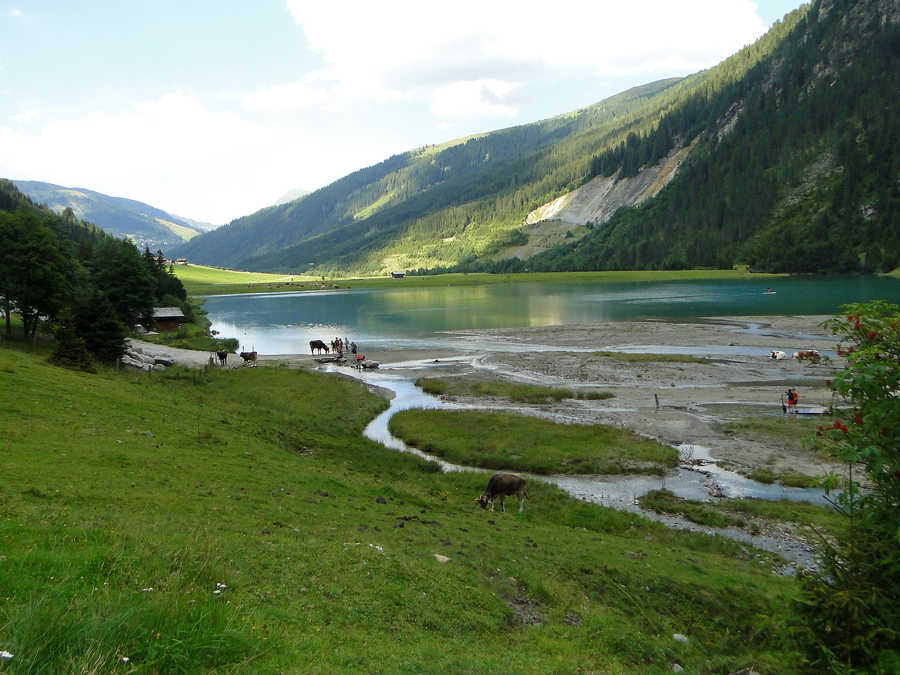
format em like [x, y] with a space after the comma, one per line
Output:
[441, 558]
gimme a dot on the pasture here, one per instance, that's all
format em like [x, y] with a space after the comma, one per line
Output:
[201, 280]
[238, 521]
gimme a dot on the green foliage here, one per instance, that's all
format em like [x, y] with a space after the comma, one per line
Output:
[34, 269]
[507, 441]
[70, 350]
[522, 393]
[51, 264]
[850, 612]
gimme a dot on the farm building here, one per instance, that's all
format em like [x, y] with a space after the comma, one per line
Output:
[167, 319]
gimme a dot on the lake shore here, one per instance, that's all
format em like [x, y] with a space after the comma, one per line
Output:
[693, 403]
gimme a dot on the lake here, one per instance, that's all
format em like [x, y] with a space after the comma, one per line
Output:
[284, 323]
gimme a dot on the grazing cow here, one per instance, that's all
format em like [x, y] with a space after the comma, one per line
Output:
[248, 356]
[317, 344]
[808, 355]
[223, 357]
[777, 355]
[500, 485]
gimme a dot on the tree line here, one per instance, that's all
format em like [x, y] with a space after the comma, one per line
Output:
[66, 276]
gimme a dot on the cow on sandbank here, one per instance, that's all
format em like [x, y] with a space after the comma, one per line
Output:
[501, 485]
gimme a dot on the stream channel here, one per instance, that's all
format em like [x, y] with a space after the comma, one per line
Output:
[698, 477]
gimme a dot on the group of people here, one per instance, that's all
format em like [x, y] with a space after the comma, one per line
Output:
[338, 346]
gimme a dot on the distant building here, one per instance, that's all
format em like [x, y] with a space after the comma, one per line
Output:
[398, 275]
[167, 319]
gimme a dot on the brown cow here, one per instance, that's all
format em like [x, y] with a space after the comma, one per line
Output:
[248, 356]
[500, 485]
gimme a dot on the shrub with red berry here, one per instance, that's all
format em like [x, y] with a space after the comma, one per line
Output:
[850, 611]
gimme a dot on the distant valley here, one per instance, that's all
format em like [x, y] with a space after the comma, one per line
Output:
[143, 224]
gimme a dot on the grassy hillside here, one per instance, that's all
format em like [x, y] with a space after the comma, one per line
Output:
[134, 220]
[238, 520]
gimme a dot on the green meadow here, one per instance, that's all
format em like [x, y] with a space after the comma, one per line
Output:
[238, 521]
[201, 280]
[501, 440]
[518, 392]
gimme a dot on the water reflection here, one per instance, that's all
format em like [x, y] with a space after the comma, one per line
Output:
[284, 323]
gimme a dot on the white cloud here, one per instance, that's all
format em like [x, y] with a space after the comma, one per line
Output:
[472, 100]
[25, 116]
[177, 154]
[15, 11]
[416, 50]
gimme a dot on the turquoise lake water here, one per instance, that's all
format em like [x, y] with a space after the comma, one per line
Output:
[284, 323]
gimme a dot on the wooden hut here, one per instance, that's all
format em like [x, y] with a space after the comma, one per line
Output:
[166, 319]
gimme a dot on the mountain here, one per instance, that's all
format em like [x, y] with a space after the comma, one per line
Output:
[139, 222]
[784, 157]
[793, 168]
[68, 227]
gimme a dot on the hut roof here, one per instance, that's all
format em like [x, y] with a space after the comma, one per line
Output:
[167, 313]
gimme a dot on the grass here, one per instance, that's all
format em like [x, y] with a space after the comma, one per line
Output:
[521, 393]
[499, 440]
[260, 479]
[200, 280]
[787, 478]
[735, 512]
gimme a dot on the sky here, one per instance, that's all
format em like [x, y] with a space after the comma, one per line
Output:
[213, 109]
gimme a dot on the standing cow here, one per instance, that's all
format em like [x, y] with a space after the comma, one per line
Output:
[317, 344]
[501, 485]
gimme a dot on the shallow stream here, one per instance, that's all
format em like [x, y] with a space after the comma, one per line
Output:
[699, 477]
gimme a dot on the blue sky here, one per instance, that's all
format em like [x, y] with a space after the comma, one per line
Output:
[213, 110]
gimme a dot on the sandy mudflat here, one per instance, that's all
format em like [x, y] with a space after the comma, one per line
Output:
[736, 379]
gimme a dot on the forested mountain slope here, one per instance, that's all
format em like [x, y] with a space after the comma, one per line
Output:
[66, 226]
[795, 167]
[783, 156]
[467, 199]
[141, 223]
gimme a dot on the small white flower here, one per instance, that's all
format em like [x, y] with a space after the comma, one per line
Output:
[125, 659]
[147, 590]
[5, 654]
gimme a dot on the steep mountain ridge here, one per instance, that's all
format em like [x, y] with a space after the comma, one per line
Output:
[795, 169]
[141, 223]
[722, 167]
